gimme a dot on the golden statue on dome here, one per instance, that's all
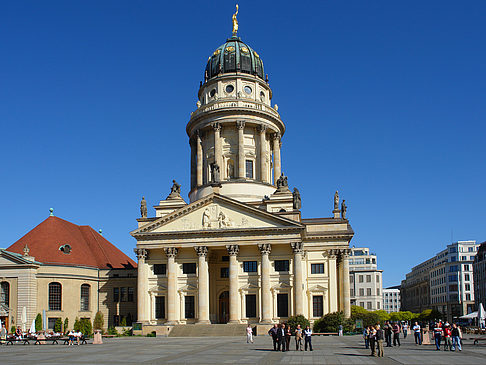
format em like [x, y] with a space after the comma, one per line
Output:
[235, 22]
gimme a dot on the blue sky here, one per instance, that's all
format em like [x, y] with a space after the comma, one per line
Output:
[383, 100]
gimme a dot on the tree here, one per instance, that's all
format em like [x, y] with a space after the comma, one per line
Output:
[38, 322]
[58, 325]
[86, 327]
[98, 322]
[295, 320]
[331, 321]
[382, 316]
[77, 325]
[369, 318]
[66, 323]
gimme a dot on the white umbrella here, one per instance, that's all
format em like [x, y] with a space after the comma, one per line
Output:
[470, 315]
[481, 315]
[32, 326]
[24, 318]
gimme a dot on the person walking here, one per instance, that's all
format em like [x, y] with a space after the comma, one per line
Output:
[308, 338]
[388, 334]
[288, 336]
[379, 341]
[281, 338]
[456, 337]
[273, 332]
[396, 334]
[373, 341]
[405, 330]
[249, 334]
[416, 333]
[298, 338]
[366, 336]
[447, 338]
[340, 330]
[437, 335]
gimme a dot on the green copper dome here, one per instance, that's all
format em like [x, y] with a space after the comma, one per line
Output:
[234, 56]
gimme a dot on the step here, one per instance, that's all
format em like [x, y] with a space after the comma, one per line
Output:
[208, 330]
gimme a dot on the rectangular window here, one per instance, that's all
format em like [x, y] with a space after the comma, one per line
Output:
[360, 278]
[471, 249]
[368, 292]
[131, 295]
[361, 292]
[123, 294]
[55, 296]
[452, 278]
[377, 278]
[317, 306]
[351, 278]
[189, 268]
[453, 258]
[368, 305]
[466, 267]
[453, 287]
[378, 305]
[463, 258]
[466, 277]
[282, 305]
[224, 272]
[361, 304]
[468, 287]
[51, 321]
[249, 266]
[368, 278]
[377, 291]
[351, 292]
[159, 307]
[250, 302]
[116, 295]
[189, 306]
[468, 296]
[85, 297]
[281, 265]
[160, 269]
[319, 269]
[249, 169]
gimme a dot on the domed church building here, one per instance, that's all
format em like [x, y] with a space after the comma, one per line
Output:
[239, 251]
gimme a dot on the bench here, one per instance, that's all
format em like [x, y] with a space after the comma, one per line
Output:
[38, 341]
[476, 340]
[325, 334]
[108, 336]
[11, 340]
[82, 340]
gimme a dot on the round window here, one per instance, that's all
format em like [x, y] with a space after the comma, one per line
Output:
[229, 88]
[262, 96]
[247, 89]
[212, 93]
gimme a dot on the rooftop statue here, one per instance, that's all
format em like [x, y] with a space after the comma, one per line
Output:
[143, 208]
[343, 209]
[282, 181]
[336, 201]
[235, 21]
[296, 196]
[175, 190]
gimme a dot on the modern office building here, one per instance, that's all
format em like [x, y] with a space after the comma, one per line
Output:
[479, 275]
[365, 279]
[444, 282]
[391, 299]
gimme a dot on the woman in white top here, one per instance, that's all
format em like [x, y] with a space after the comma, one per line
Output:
[249, 334]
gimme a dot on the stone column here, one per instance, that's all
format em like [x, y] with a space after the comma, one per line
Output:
[203, 285]
[199, 158]
[266, 316]
[240, 125]
[172, 318]
[142, 286]
[333, 284]
[276, 157]
[218, 151]
[234, 316]
[192, 143]
[298, 248]
[263, 153]
[347, 295]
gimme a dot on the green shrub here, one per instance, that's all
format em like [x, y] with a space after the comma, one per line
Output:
[58, 325]
[77, 325]
[98, 322]
[38, 322]
[152, 334]
[66, 323]
[123, 322]
[12, 329]
[112, 331]
[85, 326]
[295, 320]
[331, 321]
[127, 332]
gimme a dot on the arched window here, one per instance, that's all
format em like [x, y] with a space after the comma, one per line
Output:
[5, 293]
[55, 296]
[85, 297]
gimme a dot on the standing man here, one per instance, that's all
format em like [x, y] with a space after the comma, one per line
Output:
[437, 335]
[340, 330]
[298, 338]
[416, 333]
[281, 337]
[288, 336]
[373, 341]
[388, 332]
[396, 334]
[273, 332]
[456, 337]
[308, 338]
[405, 330]
[379, 341]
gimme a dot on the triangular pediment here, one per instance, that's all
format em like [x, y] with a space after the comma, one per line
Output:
[12, 259]
[214, 213]
[317, 288]
[158, 288]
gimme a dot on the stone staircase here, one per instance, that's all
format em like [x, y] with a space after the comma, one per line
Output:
[208, 330]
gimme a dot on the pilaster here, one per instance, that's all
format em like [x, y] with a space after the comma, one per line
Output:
[240, 125]
[234, 313]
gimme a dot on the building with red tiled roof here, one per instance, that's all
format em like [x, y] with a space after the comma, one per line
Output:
[63, 270]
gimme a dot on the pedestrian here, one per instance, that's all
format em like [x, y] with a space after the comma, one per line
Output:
[308, 338]
[366, 336]
[288, 336]
[456, 337]
[379, 341]
[437, 335]
[396, 334]
[273, 332]
[249, 334]
[281, 338]
[447, 337]
[71, 337]
[3, 333]
[388, 334]
[298, 338]
[340, 330]
[416, 333]
[405, 330]
[373, 341]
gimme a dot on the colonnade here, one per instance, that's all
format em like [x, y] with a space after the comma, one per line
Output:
[197, 153]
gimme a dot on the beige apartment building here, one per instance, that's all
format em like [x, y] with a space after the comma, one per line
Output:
[239, 251]
[62, 270]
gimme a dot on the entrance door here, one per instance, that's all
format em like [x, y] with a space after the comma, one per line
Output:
[224, 307]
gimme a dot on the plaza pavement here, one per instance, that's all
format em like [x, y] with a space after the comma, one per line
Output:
[233, 350]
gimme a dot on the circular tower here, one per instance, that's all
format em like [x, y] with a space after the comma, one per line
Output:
[235, 134]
